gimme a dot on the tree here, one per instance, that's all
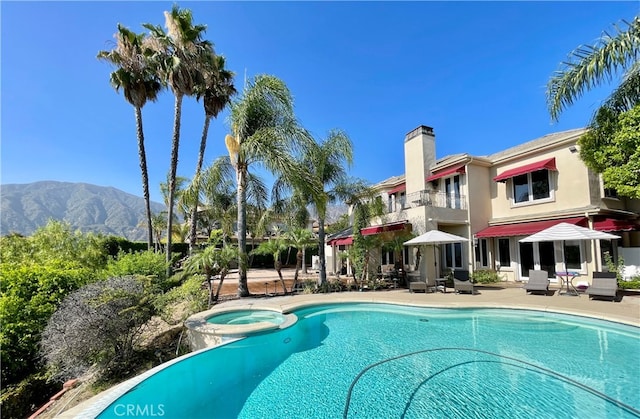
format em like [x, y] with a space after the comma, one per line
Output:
[591, 66]
[98, 325]
[301, 239]
[265, 131]
[159, 224]
[214, 260]
[612, 148]
[179, 53]
[216, 94]
[137, 77]
[274, 247]
[326, 162]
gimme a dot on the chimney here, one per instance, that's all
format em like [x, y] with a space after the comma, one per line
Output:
[419, 156]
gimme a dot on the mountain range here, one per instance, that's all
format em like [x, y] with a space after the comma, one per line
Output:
[26, 207]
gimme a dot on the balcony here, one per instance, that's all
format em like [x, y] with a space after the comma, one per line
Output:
[435, 199]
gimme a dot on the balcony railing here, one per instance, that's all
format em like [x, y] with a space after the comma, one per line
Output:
[435, 199]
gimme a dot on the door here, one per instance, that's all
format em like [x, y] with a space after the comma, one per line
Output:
[539, 256]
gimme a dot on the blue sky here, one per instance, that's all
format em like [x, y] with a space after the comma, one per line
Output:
[475, 71]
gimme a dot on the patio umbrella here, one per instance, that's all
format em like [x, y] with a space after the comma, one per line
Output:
[434, 238]
[565, 231]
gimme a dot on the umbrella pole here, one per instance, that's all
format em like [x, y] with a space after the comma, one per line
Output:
[435, 262]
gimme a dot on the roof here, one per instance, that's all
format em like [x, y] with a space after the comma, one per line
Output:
[549, 139]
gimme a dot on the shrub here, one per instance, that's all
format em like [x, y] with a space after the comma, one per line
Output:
[191, 293]
[29, 294]
[148, 264]
[98, 325]
[20, 400]
[485, 276]
[634, 284]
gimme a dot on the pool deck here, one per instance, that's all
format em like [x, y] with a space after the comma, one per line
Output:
[626, 310]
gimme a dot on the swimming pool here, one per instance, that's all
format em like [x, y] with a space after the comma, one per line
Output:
[378, 360]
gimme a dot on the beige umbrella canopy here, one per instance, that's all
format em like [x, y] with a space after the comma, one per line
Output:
[565, 231]
[434, 238]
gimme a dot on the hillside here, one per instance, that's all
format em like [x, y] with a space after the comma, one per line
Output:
[26, 207]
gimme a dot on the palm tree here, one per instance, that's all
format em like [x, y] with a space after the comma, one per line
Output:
[590, 66]
[137, 78]
[301, 239]
[179, 52]
[214, 260]
[273, 247]
[216, 93]
[326, 163]
[159, 224]
[265, 131]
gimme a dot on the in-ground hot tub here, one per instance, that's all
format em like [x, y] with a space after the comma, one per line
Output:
[247, 317]
[213, 327]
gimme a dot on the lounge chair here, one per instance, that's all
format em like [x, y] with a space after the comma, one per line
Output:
[604, 285]
[461, 282]
[538, 282]
[421, 285]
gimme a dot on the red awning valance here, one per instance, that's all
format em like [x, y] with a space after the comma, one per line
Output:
[613, 224]
[524, 229]
[442, 173]
[401, 187]
[341, 242]
[549, 164]
[382, 228]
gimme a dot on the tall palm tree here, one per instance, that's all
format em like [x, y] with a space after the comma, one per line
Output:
[589, 66]
[179, 53]
[326, 162]
[138, 79]
[216, 92]
[264, 131]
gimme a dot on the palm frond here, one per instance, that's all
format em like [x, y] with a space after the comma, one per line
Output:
[590, 66]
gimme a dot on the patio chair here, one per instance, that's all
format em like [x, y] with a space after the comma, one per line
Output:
[461, 282]
[538, 282]
[421, 285]
[603, 285]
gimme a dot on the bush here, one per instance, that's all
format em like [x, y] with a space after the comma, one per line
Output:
[191, 293]
[148, 264]
[634, 284]
[485, 276]
[98, 325]
[29, 294]
[19, 401]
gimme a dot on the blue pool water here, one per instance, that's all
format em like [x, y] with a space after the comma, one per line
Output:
[386, 361]
[247, 317]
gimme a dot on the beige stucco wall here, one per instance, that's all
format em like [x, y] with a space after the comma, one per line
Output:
[569, 186]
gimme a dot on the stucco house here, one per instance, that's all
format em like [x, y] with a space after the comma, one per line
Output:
[496, 200]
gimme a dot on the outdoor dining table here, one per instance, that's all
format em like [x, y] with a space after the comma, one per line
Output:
[566, 282]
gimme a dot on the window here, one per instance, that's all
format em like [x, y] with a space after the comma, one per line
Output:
[401, 199]
[453, 255]
[504, 252]
[531, 186]
[452, 191]
[610, 193]
[482, 253]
